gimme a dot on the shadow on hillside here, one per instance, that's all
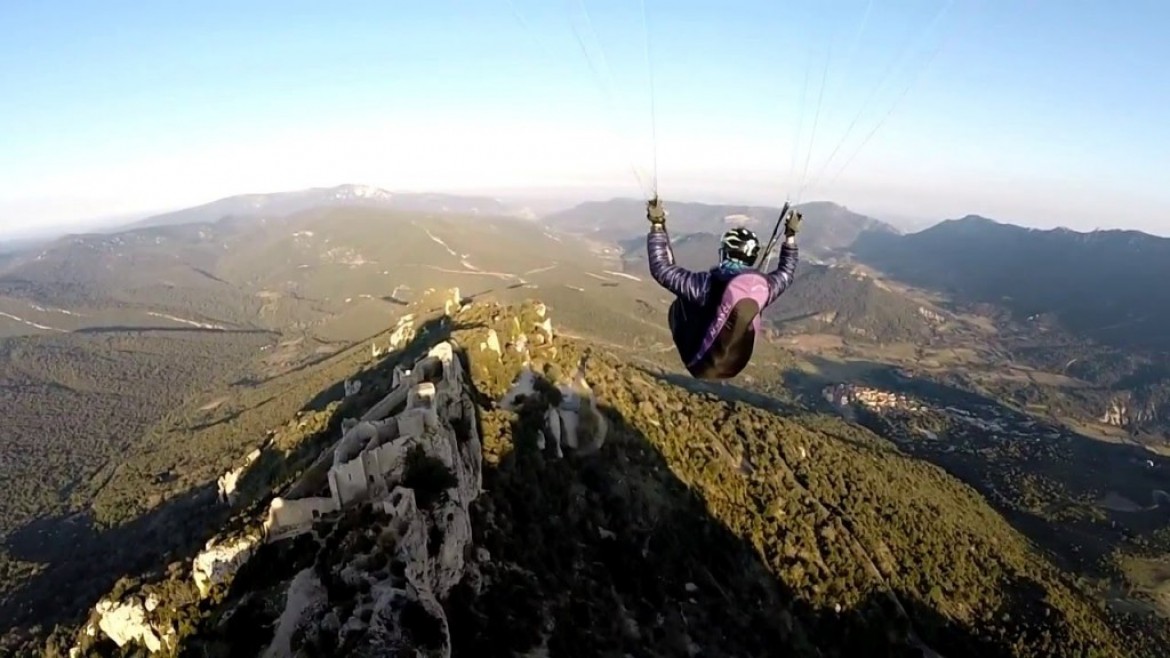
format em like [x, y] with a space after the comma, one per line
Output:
[612, 554]
[222, 420]
[130, 329]
[865, 373]
[81, 563]
[778, 320]
[723, 389]
[427, 333]
[1019, 459]
[377, 379]
[274, 468]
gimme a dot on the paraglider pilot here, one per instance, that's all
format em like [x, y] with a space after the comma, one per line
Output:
[715, 316]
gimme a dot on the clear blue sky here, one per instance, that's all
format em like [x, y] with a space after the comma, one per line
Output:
[1042, 112]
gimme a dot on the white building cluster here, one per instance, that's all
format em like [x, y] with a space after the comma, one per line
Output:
[843, 395]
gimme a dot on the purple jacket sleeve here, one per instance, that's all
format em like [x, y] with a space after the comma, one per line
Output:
[780, 278]
[685, 284]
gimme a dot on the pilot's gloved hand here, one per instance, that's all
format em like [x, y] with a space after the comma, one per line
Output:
[792, 225]
[656, 212]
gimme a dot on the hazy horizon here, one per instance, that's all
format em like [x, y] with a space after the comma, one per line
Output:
[930, 109]
[543, 201]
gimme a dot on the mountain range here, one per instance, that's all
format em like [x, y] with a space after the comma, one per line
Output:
[1100, 284]
[364, 196]
[949, 374]
[828, 227]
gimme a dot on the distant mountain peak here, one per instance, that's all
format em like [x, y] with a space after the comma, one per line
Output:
[969, 225]
[1058, 270]
[823, 205]
[979, 222]
[277, 204]
[739, 218]
[972, 220]
[355, 191]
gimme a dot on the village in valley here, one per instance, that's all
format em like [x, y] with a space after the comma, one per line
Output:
[1019, 461]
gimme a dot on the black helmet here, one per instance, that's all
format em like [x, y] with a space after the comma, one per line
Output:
[739, 244]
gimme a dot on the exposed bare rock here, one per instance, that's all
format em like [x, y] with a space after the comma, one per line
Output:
[404, 332]
[228, 481]
[219, 562]
[352, 387]
[125, 622]
[571, 418]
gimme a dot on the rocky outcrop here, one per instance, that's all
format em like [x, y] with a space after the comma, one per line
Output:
[1125, 411]
[403, 332]
[219, 561]
[146, 618]
[930, 315]
[352, 387]
[228, 481]
[128, 621]
[1115, 414]
[412, 461]
[390, 504]
[571, 418]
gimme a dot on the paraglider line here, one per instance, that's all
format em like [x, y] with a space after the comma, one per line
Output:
[873, 92]
[601, 81]
[902, 96]
[653, 110]
[816, 120]
[799, 126]
[607, 97]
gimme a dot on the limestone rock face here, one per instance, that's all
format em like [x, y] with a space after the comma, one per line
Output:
[570, 411]
[219, 562]
[492, 342]
[352, 387]
[227, 482]
[403, 332]
[125, 622]
[454, 302]
[1126, 411]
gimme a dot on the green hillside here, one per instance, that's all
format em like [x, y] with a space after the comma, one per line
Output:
[709, 525]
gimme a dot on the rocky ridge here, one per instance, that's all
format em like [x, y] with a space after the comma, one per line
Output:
[407, 472]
